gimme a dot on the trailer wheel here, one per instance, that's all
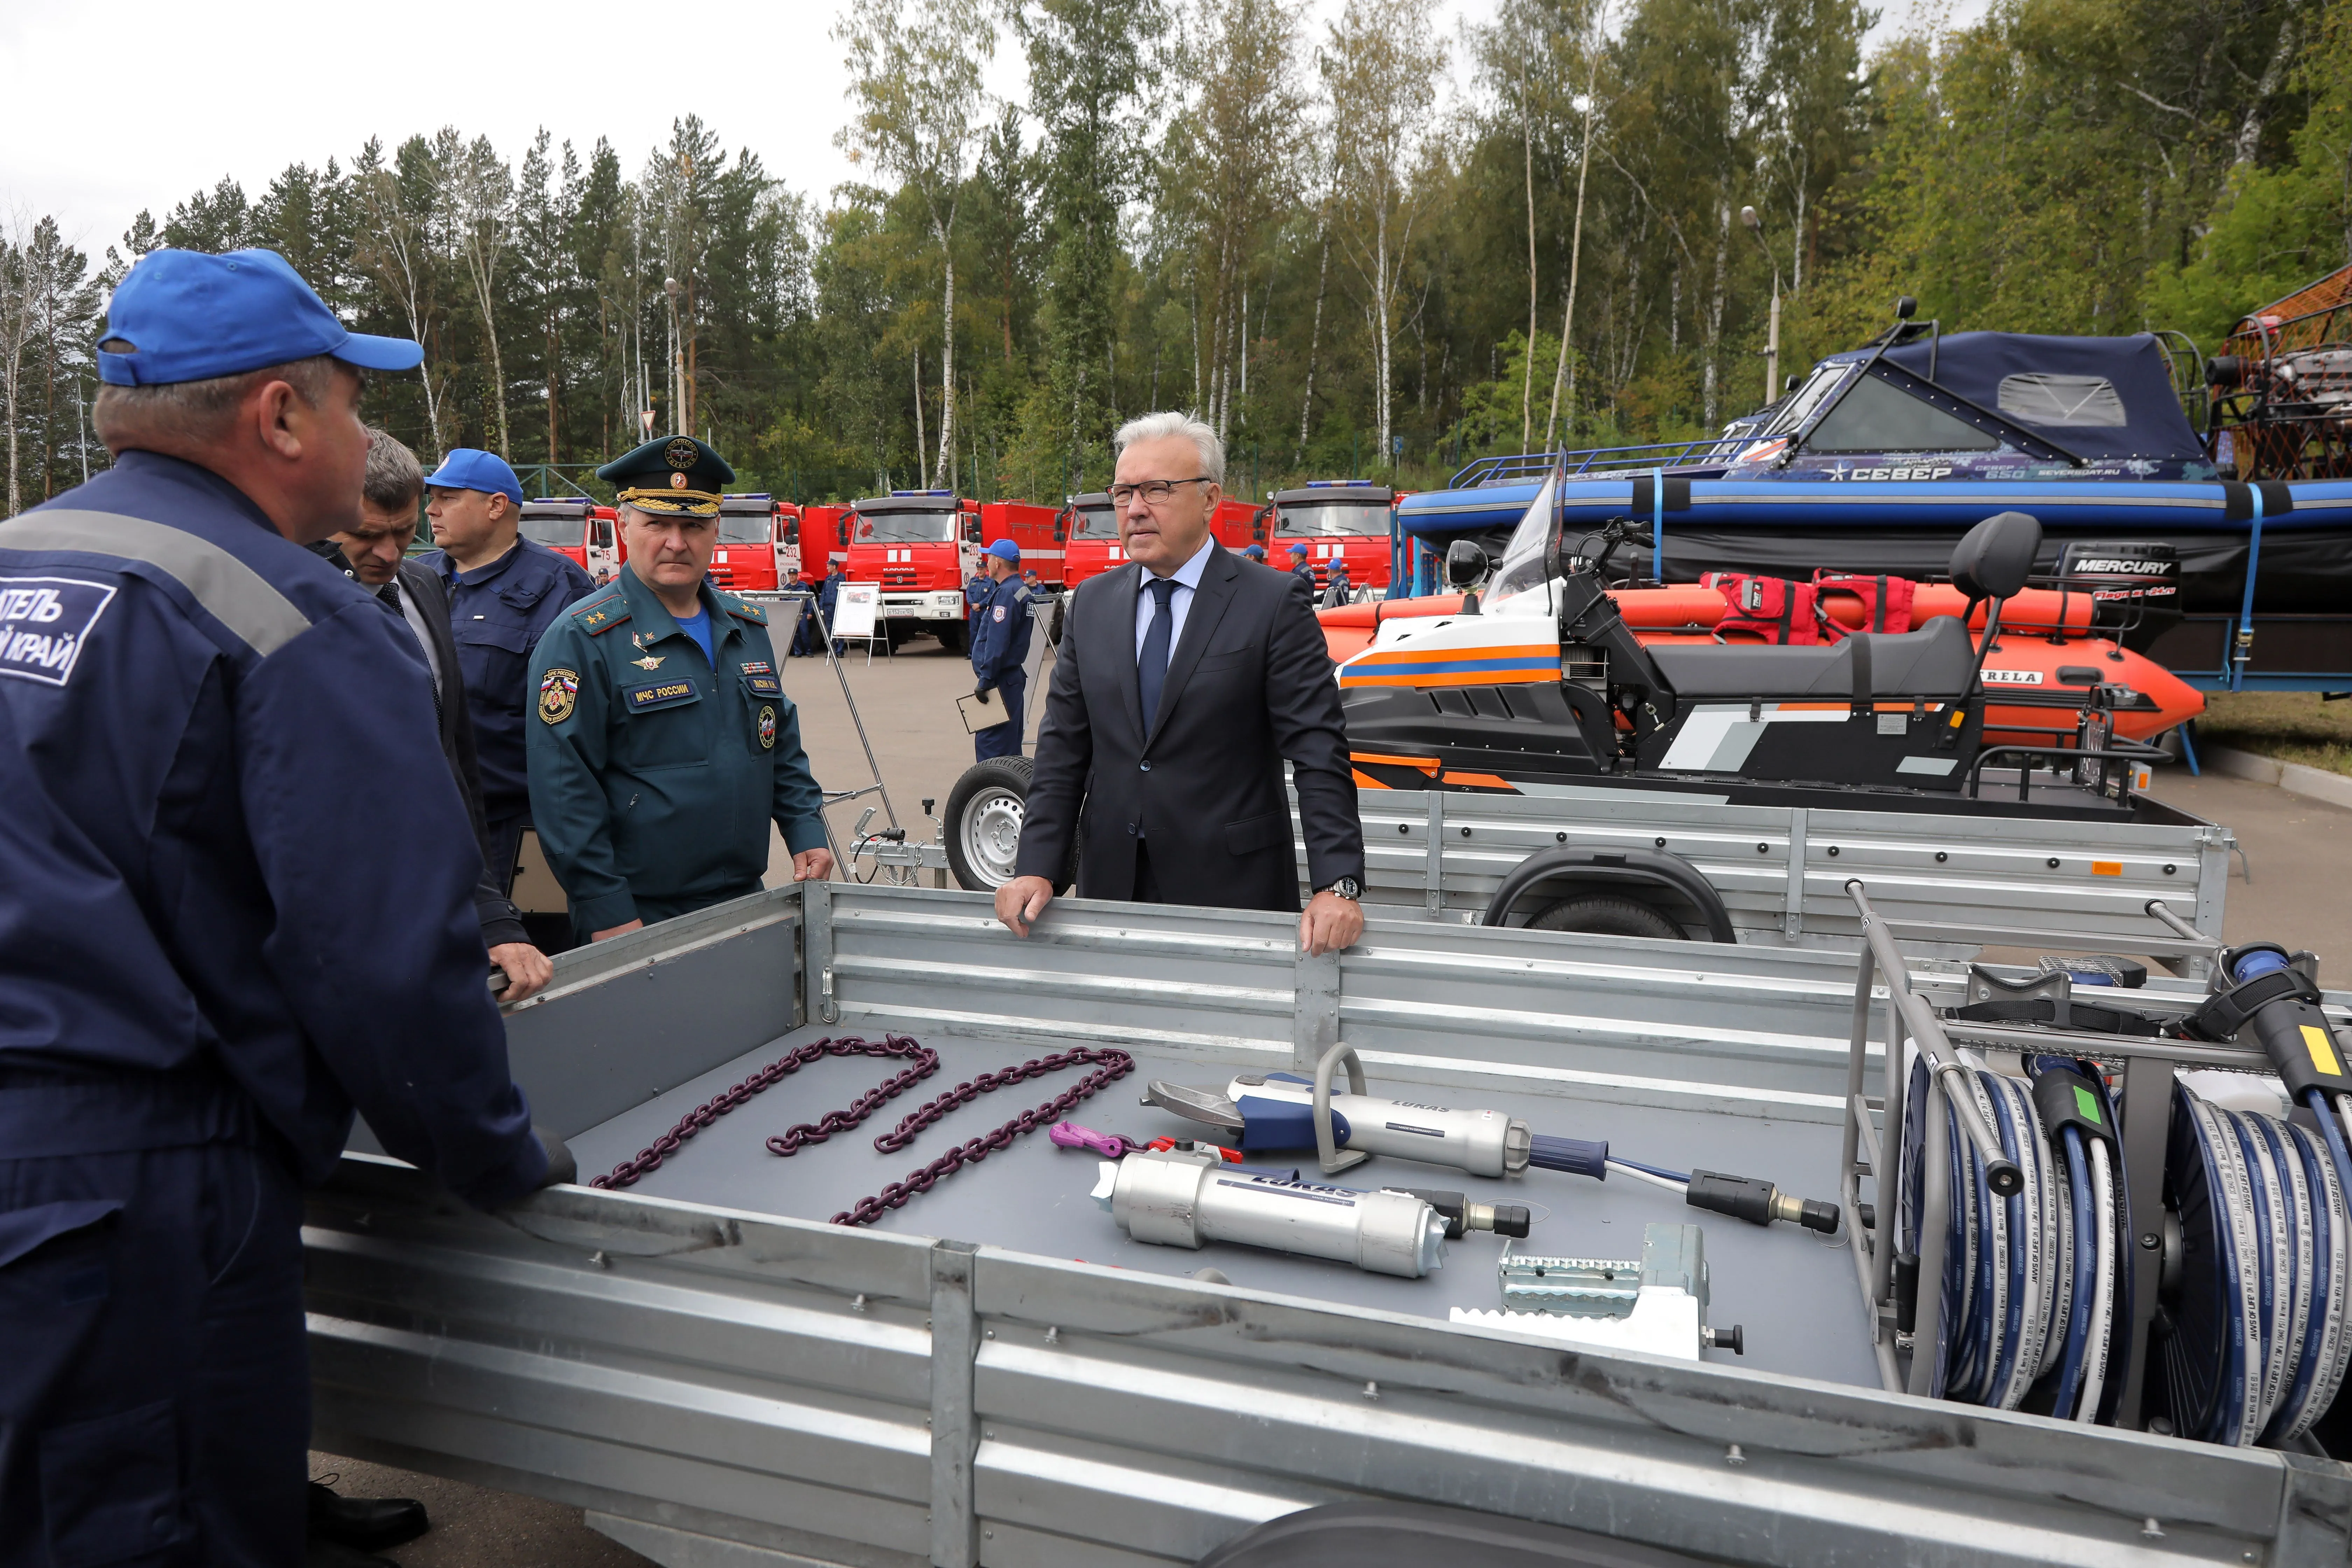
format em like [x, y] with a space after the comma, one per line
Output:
[984, 814]
[1600, 914]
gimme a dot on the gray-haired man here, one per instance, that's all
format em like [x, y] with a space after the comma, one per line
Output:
[374, 554]
[1184, 681]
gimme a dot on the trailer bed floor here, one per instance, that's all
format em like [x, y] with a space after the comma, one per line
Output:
[1792, 1290]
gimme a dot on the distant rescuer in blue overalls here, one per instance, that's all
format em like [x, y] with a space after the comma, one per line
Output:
[999, 649]
[204, 969]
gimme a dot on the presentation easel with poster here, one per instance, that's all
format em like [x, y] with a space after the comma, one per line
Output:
[857, 616]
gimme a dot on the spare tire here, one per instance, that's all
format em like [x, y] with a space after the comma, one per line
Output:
[985, 810]
[1605, 914]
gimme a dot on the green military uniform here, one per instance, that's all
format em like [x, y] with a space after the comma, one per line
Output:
[654, 771]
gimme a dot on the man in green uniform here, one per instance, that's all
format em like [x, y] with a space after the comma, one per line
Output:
[665, 744]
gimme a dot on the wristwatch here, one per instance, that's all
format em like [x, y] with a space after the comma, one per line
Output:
[1347, 888]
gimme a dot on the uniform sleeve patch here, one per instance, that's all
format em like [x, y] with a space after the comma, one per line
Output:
[1000, 612]
[658, 694]
[44, 621]
[558, 690]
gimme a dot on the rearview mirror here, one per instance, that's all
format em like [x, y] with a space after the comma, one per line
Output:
[1465, 564]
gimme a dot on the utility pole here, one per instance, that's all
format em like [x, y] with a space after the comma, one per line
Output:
[676, 363]
[1773, 337]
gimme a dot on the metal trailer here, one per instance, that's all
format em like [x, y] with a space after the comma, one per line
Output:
[1781, 870]
[994, 1374]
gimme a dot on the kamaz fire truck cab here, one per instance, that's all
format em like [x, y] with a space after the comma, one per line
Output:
[1337, 520]
[759, 543]
[578, 528]
[922, 547]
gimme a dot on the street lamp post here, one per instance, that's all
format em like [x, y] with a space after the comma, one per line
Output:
[1772, 338]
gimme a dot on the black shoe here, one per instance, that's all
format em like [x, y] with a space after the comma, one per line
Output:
[364, 1523]
[323, 1553]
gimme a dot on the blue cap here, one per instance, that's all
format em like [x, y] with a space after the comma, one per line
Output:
[184, 315]
[465, 469]
[1255, 551]
[1006, 550]
[1298, 549]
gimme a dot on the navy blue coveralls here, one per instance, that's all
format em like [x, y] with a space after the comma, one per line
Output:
[1000, 661]
[498, 613]
[201, 971]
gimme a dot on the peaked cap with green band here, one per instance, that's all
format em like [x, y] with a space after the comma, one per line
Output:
[675, 476]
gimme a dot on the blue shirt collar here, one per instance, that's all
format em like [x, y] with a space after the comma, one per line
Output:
[1189, 574]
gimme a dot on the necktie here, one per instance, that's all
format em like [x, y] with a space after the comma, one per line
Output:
[1151, 665]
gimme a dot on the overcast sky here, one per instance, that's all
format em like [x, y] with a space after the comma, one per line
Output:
[139, 102]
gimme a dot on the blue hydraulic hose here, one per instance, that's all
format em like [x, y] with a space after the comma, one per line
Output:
[2087, 1242]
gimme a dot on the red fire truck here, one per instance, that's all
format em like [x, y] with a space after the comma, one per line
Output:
[1039, 531]
[922, 547]
[578, 528]
[759, 543]
[1094, 547]
[825, 533]
[1345, 519]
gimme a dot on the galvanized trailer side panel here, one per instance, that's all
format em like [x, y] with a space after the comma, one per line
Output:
[699, 1378]
[1781, 870]
[717, 1386]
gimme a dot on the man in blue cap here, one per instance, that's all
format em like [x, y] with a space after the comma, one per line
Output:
[1256, 553]
[1302, 567]
[505, 591]
[190, 702]
[999, 649]
[664, 743]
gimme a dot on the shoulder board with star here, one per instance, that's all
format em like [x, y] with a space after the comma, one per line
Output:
[602, 612]
[743, 612]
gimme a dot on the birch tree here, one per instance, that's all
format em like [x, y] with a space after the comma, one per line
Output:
[393, 252]
[481, 201]
[920, 115]
[1380, 69]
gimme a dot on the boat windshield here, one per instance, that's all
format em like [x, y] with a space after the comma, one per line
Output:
[1809, 396]
[907, 527]
[1333, 519]
[742, 528]
[1526, 560]
[1095, 522]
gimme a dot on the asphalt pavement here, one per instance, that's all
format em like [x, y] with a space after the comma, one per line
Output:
[2290, 886]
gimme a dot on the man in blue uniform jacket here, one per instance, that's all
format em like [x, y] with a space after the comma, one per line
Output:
[663, 745]
[505, 591]
[202, 976]
[999, 649]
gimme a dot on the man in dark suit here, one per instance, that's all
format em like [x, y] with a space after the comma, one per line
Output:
[1185, 679]
[373, 555]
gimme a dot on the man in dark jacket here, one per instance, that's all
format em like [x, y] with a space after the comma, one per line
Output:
[202, 979]
[504, 591]
[374, 555]
[1183, 681]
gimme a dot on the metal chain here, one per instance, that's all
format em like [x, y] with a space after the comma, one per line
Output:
[925, 1061]
[1111, 1066]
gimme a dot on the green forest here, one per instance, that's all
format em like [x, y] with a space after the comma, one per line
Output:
[1305, 233]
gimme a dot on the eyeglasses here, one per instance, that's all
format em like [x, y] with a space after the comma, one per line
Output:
[1155, 492]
